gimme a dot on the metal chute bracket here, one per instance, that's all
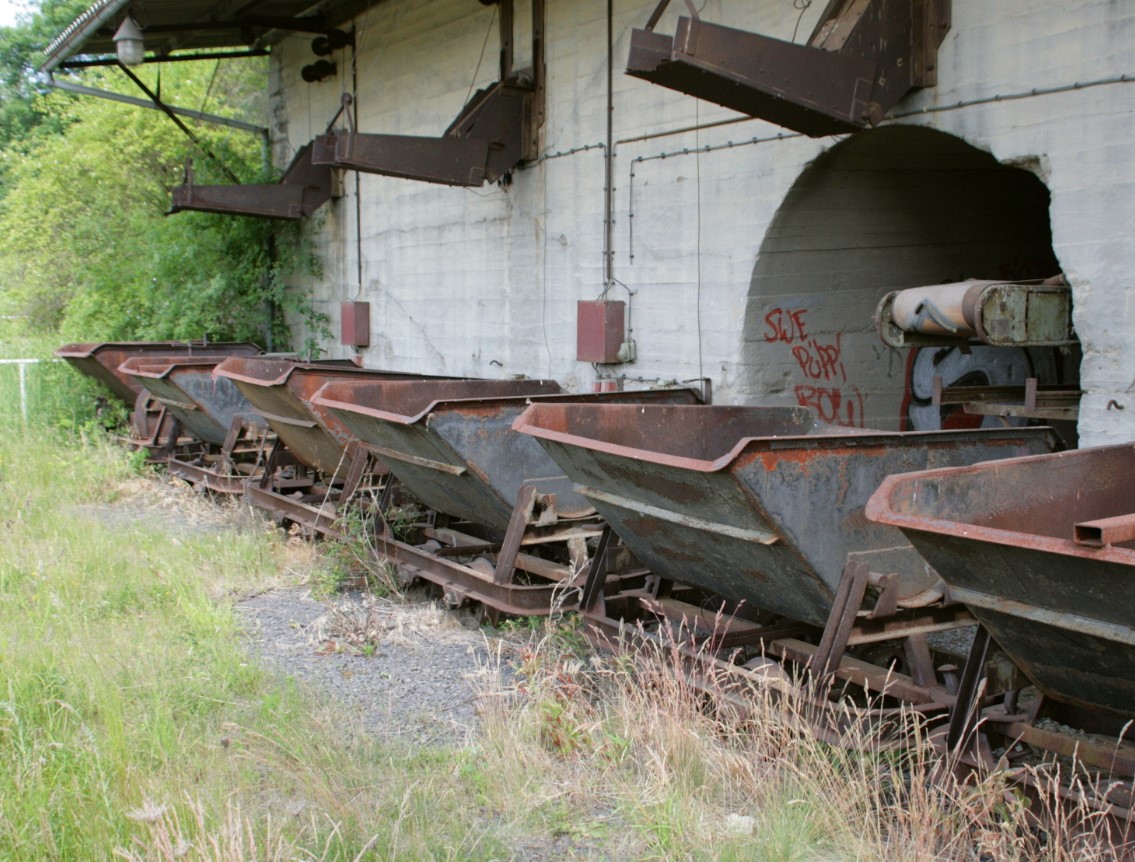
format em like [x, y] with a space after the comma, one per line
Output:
[491, 136]
[303, 188]
[861, 59]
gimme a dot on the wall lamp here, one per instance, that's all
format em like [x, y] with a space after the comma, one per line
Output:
[128, 42]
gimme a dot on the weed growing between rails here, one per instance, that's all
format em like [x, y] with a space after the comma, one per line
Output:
[352, 561]
[633, 750]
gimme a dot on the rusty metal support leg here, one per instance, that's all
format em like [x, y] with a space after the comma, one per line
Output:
[163, 427]
[171, 441]
[963, 717]
[596, 572]
[919, 660]
[359, 463]
[510, 547]
[261, 445]
[271, 464]
[140, 420]
[225, 461]
[382, 524]
[848, 599]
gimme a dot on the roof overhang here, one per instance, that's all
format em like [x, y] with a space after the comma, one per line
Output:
[188, 27]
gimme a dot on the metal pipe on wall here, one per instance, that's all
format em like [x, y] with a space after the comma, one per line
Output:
[609, 159]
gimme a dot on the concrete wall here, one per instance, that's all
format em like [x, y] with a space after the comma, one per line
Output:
[721, 250]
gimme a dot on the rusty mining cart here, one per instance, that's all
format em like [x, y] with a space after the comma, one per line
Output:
[150, 423]
[751, 521]
[233, 438]
[1039, 549]
[505, 528]
[315, 466]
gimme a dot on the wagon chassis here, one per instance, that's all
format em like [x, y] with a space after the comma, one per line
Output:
[504, 576]
[723, 634]
[226, 469]
[293, 491]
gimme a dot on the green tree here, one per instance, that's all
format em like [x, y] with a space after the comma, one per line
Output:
[85, 249]
[22, 113]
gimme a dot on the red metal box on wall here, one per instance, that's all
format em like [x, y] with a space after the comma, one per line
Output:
[354, 318]
[599, 330]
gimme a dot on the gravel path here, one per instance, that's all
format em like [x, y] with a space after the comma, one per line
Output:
[407, 669]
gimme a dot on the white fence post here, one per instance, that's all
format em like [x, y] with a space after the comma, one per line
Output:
[22, 367]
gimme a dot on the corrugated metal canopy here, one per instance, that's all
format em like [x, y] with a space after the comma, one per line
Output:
[171, 26]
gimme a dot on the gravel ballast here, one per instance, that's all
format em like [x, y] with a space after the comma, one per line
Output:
[407, 669]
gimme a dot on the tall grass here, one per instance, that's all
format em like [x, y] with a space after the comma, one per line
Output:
[663, 764]
[131, 714]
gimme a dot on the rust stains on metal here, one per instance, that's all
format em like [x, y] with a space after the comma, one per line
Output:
[861, 59]
[467, 427]
[303, 188]
[753, 489]
[487, 140]
[101, 360]
[1002, 535]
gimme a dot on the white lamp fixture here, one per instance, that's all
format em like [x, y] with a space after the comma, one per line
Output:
[129, 43]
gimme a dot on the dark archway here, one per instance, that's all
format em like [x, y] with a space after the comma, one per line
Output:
[887, 209]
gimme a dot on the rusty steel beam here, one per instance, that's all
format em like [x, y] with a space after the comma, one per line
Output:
[486, 140]
[206, 477]
[861, 60]
[1105, 531]
[468, 582]
[303, 189]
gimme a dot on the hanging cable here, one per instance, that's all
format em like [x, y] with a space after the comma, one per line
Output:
[697, 160]
[209, 89]
[802, 5]
[484, 45]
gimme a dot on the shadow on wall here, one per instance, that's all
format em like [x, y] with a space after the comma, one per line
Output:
[896, 207]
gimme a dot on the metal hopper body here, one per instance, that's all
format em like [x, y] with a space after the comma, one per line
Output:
[205, 407]
[446, 440]
[281, 391]
[212, 410]
[151, 426]
[327, 467]
[1003, 536]
[452, 446]
[102, 360]
[756, 504]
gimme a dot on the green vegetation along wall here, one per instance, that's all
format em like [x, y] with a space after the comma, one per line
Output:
[86, 251]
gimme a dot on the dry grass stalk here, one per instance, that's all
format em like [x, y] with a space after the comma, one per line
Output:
[172, 838]
[689, 772]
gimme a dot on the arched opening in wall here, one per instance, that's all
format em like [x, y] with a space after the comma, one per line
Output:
[884, 210]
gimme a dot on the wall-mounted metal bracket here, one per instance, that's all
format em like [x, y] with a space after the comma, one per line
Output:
[863, 56]
[302, 190]
[487, 140]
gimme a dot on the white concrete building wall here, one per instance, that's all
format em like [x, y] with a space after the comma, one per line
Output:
[484, 282]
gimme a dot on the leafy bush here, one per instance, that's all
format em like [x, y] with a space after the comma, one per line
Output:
[85, 248]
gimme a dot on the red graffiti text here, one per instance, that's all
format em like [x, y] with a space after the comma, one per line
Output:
[785, 325]
[820, 361]
[833, 405]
